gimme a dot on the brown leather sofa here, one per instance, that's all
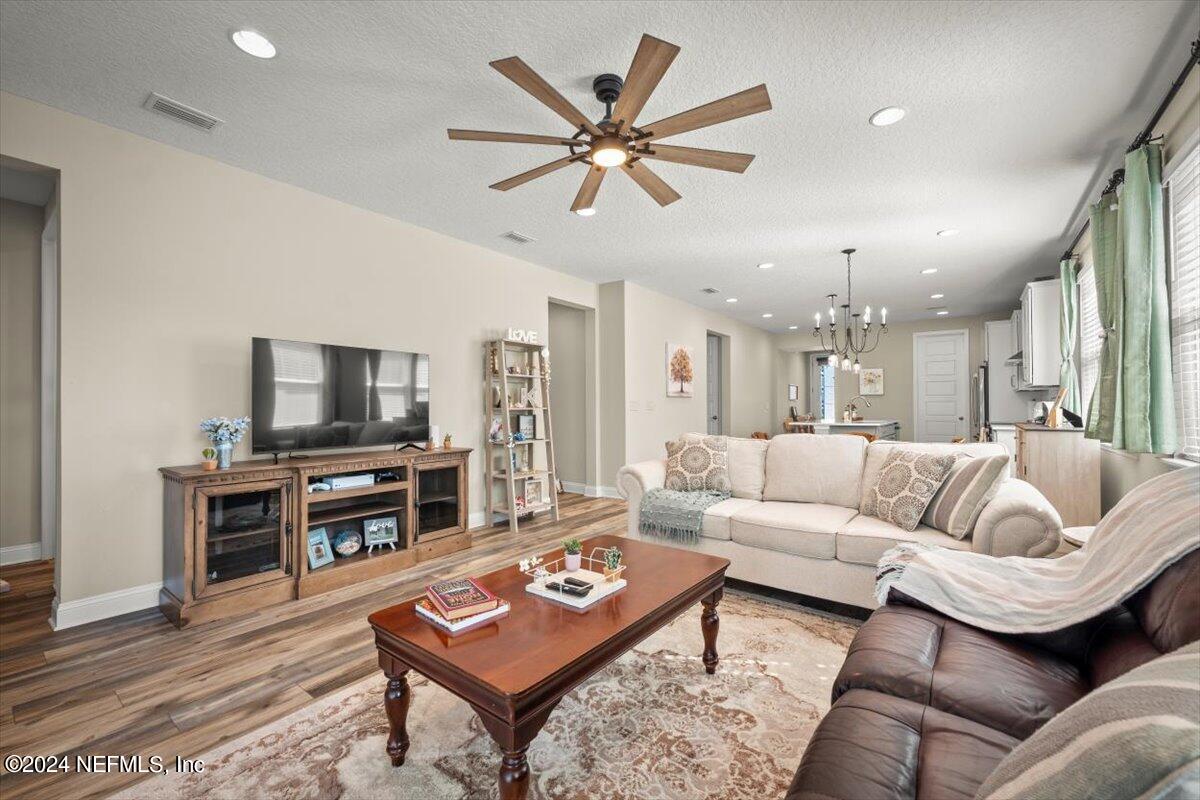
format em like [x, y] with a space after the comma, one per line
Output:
[926, 707]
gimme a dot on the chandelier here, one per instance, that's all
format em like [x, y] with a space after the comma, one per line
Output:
[856, 336]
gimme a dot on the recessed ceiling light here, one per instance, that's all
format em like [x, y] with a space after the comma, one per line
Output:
[793, 327]
[585, 212]
[929, 270]
[253, 43]
[730, 299]
[948, 232]
[766, 265]
[942, 313]
[936, 296]
[887, 116]
[768, 315]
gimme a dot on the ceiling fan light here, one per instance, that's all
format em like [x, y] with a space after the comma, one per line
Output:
[585, 212]
[609, 151]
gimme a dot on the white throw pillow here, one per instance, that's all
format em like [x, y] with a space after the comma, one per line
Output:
[812, 468]
[747, 467]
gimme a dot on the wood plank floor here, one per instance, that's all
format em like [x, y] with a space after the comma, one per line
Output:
[134, 685]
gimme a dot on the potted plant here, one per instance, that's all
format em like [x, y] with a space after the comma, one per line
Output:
[612, 565]
[225, 433]
[209, 459]
[574, 551]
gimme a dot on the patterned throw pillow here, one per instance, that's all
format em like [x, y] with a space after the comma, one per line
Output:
[970, 486]
[698, 463]
[907, 482]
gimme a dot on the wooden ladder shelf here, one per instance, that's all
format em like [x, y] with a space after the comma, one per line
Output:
[531, 370]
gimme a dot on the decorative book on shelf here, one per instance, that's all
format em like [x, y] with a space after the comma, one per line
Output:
[428, 612]
[521, 476]
[460, 598]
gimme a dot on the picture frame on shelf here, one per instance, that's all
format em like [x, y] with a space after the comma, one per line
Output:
[533, 492]
[379, 531]
[527, 425]
[320, 552]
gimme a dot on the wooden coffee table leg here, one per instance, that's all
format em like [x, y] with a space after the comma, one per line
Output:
[710, 623]
[514, 741]
[395, 701]
[514, 775]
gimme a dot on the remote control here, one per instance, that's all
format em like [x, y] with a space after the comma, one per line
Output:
[571, 590]
[575, 582]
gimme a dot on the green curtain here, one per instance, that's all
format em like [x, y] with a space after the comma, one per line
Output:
[1147, 404]
[1068, 319]
[1104, 410]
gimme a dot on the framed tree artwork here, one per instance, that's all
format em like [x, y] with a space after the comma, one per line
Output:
[680, 370]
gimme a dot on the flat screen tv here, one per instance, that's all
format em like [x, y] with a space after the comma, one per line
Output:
[309, 396]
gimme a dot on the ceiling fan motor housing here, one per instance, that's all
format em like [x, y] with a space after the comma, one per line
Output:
[607, 87]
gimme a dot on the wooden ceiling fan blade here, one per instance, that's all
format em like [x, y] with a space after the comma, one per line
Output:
[518, 138]
[655, 186]
[650, 63]
[696, 157]
[591, 185]
[742, 104]
[523, 75]
[536, 172]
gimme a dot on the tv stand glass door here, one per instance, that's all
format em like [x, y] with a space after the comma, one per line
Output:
[243, 535]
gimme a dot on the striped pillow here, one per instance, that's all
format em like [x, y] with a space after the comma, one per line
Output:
[972, 482]
[1136, 736]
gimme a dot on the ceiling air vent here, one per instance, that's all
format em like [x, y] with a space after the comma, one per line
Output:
[186, 114]
[519, 238]
[709, 290]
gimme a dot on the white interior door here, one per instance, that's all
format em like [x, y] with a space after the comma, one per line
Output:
[714, 385]
[941, 385]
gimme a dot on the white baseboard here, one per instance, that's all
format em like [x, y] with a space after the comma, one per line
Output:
[103, 606]
[590, 491]
[607, 491]
[20, 553]
[574, 487]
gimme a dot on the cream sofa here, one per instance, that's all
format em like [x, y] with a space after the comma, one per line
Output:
[793, 521]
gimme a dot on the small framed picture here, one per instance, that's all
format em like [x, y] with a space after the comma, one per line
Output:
[319, 551]
[793, 391]
[380, 531]
[533, 492]
[527, 425]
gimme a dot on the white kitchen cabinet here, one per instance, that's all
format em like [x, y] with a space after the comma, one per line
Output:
[1040, 353]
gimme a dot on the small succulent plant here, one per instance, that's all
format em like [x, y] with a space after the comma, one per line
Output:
[612, 558]
[208, 453]
[572, 546]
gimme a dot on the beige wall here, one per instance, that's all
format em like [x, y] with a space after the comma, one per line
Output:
[20, 371]
[895, 355]
[171, 262]
[568, 391]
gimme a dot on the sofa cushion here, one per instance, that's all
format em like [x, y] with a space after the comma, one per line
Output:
[877, 452]
[994, 680]
[811, 468]
[871, 746]
[715, 524]
[864, 539]
[968, 487]
[696, 462]
[907, 482]
[802, 529]
[747, 467]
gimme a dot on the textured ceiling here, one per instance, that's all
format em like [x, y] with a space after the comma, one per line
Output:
[1015, 112]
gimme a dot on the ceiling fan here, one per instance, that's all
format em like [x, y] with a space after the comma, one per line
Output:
[615, 141]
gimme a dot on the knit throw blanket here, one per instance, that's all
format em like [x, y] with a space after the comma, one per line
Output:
[1149, 530]
[676, 515]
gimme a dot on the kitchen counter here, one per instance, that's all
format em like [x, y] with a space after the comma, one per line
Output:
[880, 428]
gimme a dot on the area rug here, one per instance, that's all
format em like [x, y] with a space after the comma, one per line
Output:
[651, 726]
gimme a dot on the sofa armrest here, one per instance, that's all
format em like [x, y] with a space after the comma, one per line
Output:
[1018, 521]
[632, 482]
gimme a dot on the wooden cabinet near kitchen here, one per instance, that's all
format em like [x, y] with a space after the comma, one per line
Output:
[1065, 467]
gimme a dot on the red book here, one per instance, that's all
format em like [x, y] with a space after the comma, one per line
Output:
[460, 598]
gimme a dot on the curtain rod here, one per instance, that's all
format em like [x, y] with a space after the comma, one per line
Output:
[1145, 137]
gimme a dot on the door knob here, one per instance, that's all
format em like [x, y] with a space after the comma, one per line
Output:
[960, 419]
[714, 419]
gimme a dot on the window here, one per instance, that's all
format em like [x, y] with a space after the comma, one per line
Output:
[1090, 337]
[299, 373]
[1183, 246]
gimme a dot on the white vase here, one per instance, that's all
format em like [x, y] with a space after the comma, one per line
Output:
[574, 561]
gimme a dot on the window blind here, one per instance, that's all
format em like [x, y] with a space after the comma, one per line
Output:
[1183, 197]
[1090, 336]
[299, 371]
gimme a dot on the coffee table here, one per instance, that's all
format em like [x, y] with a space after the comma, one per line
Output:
[514, 671]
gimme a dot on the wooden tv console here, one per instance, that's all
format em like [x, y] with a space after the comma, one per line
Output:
[237, 539]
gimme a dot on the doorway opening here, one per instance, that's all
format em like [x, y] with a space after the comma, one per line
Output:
[822, 382]
[572, 342]
[716, 383]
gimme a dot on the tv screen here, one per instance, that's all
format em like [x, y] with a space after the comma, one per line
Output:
[309, 396]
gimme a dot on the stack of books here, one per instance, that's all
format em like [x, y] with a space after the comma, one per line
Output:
[460, 605]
